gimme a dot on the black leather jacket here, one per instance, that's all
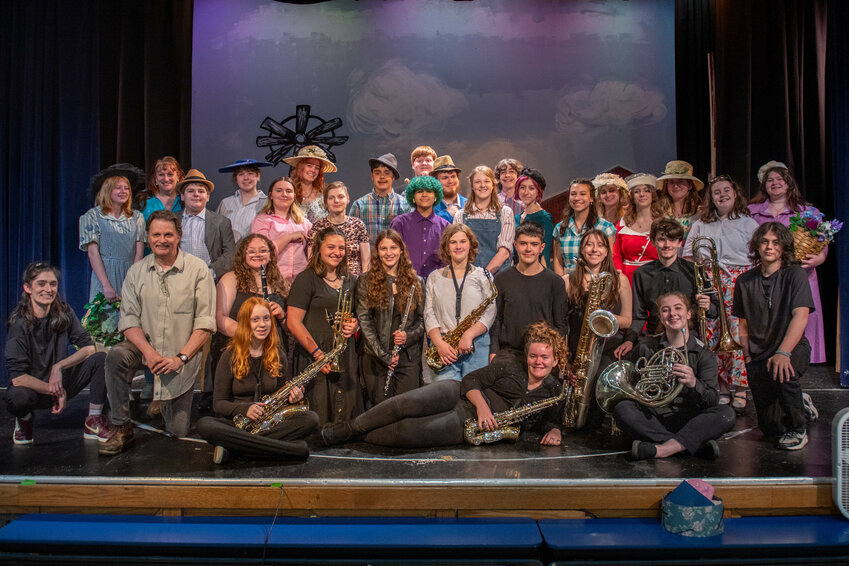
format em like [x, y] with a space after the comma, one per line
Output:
[376, 324]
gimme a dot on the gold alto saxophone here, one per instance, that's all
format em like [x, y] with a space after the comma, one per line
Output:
[397, 348]
[655, 386]
[712, 286]
[598, 325]
[453, 337]
[337, 320]
[474, 435]
[276, 406]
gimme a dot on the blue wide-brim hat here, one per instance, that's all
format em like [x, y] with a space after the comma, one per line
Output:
[244, 163]
[424, 183]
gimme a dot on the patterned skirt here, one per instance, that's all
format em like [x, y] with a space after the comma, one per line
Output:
[732, 368]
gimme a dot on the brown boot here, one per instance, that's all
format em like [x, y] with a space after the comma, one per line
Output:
[121, 439]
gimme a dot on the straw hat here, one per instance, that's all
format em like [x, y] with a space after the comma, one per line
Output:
[679, 170]
[604, 179]
[641, 179]
[312, 152]
[444, 164]
[767, 166]
[194, 176]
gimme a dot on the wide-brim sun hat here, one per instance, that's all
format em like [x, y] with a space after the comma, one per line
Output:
[312, 152]
[605, 179]
[133, 174]
[679, 170]
[195, 176]
[770, 165]
[244, 163]
[387, 160]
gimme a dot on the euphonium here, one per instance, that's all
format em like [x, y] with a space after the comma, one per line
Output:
[503, 431]
[276, 406]
[726, 341]
[453, 337]
[655, 386]
[598, 325]
[338, 319]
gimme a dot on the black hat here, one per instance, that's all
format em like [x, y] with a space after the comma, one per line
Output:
[535, 175]
[134, 175]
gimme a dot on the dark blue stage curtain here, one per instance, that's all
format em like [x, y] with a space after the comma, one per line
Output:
[838, 82]
[48, 142]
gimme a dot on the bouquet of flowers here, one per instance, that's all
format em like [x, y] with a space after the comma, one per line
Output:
[811, 232]
[101, 320]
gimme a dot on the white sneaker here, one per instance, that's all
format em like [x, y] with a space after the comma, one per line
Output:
[793, 440]
[811, 412]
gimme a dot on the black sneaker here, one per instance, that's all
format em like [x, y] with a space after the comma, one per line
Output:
[793, 440]
[220, 455]
[709, 450]
[643, 450]
[23, 431]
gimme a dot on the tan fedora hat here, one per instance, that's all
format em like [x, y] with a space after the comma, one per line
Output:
[312, 152]
[444, 164]
[194, 176]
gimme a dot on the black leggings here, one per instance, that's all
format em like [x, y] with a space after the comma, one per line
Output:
[286, 440]
[429, 416]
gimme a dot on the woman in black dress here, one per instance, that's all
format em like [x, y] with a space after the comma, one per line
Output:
[315, 294]
[382, 296]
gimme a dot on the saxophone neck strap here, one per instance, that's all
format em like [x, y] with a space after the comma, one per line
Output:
[458, 290]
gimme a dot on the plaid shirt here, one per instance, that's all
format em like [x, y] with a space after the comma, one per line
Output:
[569, 239]
[377, 212]
[517, 206]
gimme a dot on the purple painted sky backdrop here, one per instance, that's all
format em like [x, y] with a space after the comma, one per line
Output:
[570, 88]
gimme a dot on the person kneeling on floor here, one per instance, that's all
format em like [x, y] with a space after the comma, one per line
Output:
[41, 328]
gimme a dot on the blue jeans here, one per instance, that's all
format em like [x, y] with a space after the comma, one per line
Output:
[468, 362]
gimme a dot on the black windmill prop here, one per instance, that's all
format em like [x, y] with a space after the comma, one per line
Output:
[301, 129]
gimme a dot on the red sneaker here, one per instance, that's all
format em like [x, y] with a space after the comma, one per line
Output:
[97, 428]
[23, 432]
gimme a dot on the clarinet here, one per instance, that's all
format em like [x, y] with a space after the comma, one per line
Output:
[397, 347]
[264, 281]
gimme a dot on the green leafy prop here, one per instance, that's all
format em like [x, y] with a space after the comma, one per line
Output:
[101, 320]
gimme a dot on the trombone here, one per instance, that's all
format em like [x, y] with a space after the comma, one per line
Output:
[711, 285]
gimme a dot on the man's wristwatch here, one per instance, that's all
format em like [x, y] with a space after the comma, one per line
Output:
[183, 358]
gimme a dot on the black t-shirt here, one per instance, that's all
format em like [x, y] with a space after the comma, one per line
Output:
[34, 352]
[523, 300]
[504, 385]
[767, 304]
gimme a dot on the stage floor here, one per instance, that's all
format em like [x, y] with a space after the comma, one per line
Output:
[594, 460]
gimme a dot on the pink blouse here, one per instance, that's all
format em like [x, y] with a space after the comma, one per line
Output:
[292, 259]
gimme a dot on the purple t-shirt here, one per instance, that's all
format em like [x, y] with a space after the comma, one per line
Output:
[421, 235]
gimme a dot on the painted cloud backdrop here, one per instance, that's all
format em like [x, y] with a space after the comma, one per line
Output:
[570, 88]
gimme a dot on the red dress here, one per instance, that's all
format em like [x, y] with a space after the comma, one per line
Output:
[631, 250]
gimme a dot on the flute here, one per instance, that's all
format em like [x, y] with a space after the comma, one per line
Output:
[397, 347]
[264, 281]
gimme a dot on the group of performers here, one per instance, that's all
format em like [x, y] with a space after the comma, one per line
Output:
[427, 318]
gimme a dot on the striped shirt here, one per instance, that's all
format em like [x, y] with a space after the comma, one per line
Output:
[241, 215]
[194, 235]
[377, 212]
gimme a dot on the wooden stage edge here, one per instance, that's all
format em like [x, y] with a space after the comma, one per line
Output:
[624, 499]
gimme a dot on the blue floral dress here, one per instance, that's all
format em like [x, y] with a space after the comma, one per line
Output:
[117, 239]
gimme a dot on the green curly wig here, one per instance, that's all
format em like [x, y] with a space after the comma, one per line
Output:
[424, 183]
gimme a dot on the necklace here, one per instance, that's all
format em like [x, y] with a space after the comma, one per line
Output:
[331, 280]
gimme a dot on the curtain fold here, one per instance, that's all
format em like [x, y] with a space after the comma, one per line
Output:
[85, 85]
